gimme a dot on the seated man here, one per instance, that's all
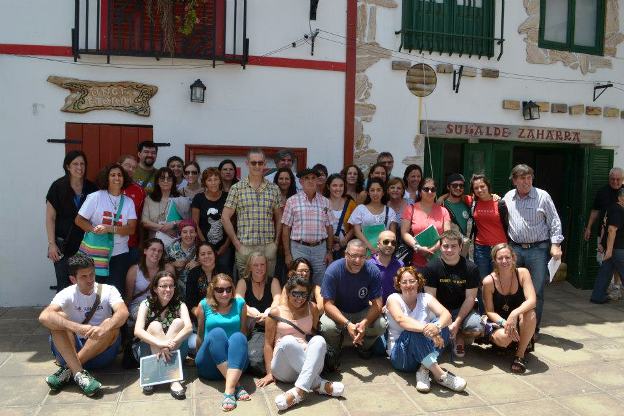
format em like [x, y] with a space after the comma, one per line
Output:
[84, 321]
[454, 281]
[351, 293]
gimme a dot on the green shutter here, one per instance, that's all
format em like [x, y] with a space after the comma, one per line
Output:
[434, 155]
[477, 159]
[502, 158]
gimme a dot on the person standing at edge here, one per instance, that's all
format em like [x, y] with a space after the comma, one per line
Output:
[256, 203]
[534, 229]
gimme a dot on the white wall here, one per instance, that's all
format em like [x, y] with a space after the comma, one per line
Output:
[256, 106]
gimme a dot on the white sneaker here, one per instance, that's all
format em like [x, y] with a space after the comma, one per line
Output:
[423, 384]
[452, 382]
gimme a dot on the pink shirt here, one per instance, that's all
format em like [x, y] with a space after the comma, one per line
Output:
[421, 220]
[308, 219]
[284, 329]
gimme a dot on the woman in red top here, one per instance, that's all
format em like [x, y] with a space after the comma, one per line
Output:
[490, 218]
[418, 217]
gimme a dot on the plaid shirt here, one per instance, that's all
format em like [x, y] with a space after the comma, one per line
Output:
[308, 219]
[254, 211]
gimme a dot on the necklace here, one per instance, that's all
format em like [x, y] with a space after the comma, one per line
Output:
[114, 200]
[506, 297]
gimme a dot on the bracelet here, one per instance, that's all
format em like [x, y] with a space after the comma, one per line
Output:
[501, 322]
[346, 325]
[50, 243]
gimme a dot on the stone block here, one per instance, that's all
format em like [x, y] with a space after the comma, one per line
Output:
[610, 111]
[558, 108]
[576, 110]
[469, 71]
[543, 106]
[622, 115]
[401, 65]
[511, 105]
[489, 73]
[593, 111]
[444, 68]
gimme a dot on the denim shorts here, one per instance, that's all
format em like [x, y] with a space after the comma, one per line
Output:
[99, 361]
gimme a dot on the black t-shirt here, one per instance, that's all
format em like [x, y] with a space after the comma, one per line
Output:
[210, 218]
[196, 286]
[451, 282]
[615, 217]
[66, 204]
[605, 197]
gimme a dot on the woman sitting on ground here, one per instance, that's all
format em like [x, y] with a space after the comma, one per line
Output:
[301, 267]
[417, 331]
[221, 340]
[509, 298]
[163, 323]
[290, 357]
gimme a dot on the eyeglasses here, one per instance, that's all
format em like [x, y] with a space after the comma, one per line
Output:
[299, 294]
[190, 172]
[223, 289]
[392, 243]
[256, 162]
[166, 179]
[355, 256]
[166, 286]
[431, 189]
[408, 282]
[457, 185]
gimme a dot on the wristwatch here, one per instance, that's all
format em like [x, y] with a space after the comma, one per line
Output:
[345, 327]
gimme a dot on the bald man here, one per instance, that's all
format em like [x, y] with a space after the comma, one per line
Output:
[385, 261]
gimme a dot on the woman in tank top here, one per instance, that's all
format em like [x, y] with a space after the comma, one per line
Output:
[290, 357]
[509, 298]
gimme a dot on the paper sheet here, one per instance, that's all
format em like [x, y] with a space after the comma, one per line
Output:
[553, 266]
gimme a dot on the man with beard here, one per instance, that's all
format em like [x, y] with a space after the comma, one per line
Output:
[144, 173]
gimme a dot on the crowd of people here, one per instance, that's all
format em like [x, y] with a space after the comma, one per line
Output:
[276, 272]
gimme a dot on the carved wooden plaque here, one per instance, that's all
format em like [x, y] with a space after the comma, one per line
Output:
[131, 97]
[421, 80]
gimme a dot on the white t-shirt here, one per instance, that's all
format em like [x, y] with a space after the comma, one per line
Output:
[100, 207]
[362, 216]
[76, 305]
[420, 313]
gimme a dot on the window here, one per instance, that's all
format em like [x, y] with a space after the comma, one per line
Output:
[449, 26]
[572, 25]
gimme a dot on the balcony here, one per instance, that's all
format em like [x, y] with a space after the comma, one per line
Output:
[130, 28]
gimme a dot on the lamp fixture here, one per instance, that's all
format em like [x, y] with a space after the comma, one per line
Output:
[198, 90]
[530, 110]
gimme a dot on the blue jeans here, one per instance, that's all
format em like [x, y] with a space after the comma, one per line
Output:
[605, 273]
[216, 349]
[483, 259]
[315, 255]
[536, 260]
[413, 348]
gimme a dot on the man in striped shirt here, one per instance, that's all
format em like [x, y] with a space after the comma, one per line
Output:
[534, 229]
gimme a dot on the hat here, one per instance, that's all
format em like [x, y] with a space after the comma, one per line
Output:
[186, 223]
[454, 177]
[306, 172]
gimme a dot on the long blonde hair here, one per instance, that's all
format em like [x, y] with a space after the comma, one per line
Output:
[210, 299]
[254, 255]
[499, 247]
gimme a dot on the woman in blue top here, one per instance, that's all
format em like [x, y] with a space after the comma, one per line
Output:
[221, 339]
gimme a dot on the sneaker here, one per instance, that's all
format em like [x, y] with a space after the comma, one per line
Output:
[147, 390]
[452, 382]
[423, 384]
[57, 380]
[87, 383]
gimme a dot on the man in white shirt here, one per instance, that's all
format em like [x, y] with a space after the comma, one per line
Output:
[81, 338]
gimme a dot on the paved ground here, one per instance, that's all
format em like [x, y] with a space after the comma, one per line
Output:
[577, 369]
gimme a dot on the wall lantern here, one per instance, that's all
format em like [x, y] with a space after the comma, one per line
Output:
[198, 89]
[530, 110]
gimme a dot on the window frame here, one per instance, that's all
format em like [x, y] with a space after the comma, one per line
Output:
[569, 46]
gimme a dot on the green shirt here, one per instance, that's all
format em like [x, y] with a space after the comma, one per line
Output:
[459, 214]
[144, 178]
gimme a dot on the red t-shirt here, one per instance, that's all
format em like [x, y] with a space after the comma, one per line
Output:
[421, 220]
[137, 194]
[490, 230]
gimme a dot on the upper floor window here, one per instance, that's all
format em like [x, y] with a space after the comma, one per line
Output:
[572, 25]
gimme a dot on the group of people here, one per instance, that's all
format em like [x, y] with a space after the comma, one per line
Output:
[275, 274]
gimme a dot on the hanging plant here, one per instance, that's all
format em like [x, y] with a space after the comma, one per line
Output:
[166, 12]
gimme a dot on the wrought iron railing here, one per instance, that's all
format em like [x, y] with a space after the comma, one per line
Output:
[127, 28]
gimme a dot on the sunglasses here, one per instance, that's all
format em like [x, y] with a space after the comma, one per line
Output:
[392, 243]
[190, 172]
[431, 189]
[223, 289]
[299, 294]
[256, 162]
[457, 185]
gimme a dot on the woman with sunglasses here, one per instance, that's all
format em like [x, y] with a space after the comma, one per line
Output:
[292, 355]
[193, 186]
[163, 323]
[417, 331]
[354, 182]
[374, 216]
[160, 212]
[221, 341]
[302, 268]
[418, 217]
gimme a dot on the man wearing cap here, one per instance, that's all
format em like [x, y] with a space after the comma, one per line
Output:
[306, 226]
[534, 229]
[457, 208]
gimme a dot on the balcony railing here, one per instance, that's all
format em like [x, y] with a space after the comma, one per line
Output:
[125, 28]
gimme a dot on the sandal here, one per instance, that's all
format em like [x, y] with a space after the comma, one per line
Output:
[228, 403]
[518, 366]
[241, 394]
[337, 388]
[281, 401]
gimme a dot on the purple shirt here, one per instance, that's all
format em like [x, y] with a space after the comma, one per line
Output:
[387, 275]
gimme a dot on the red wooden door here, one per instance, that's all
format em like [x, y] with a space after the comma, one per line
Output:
[104, 143]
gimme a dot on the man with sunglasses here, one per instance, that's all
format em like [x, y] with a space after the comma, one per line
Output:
[385, 261]
[457, 208]
[256, 203]
[351, 293]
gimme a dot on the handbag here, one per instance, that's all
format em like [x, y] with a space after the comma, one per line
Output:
[338, 254]
[307, 336]
[100, 246]
[404, 252]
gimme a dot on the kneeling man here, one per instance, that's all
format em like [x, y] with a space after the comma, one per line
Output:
[84, 321]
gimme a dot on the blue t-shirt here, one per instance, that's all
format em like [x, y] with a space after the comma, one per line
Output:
[230, 322]
[351, 292]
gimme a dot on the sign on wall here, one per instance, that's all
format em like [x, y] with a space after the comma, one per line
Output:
[532, 134]
[128, 96]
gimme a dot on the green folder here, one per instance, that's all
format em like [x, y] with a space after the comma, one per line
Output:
[428, 237]
[371, 232]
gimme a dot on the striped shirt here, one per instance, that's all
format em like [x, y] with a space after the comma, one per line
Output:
[533, 218]
[308, 219]
[254, 211]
